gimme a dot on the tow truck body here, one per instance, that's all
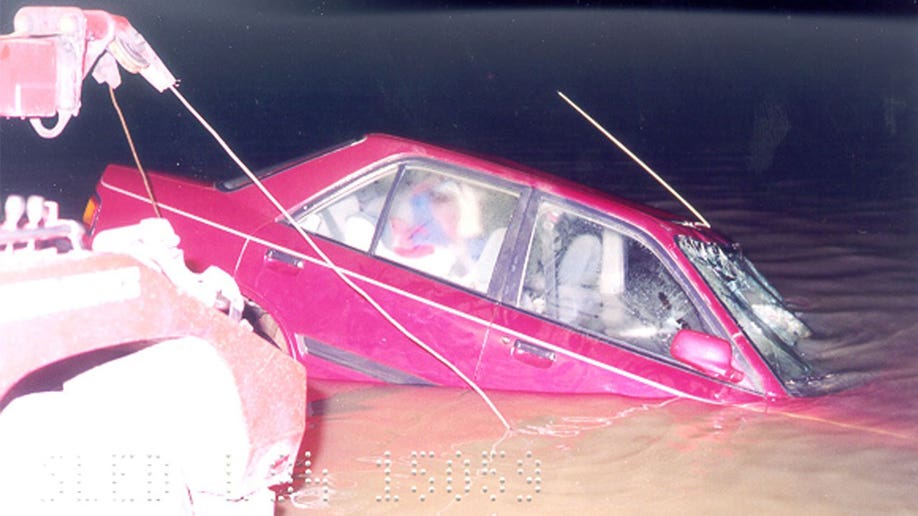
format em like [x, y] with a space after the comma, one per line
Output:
[118, 364]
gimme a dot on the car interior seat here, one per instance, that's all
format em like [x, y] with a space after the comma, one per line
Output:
[579, 302]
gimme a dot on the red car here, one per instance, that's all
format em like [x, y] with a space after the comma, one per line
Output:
[522, 280]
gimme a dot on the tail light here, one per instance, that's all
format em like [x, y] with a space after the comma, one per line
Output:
[91, 212]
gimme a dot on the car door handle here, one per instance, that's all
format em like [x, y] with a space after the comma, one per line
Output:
[532, 354]
[281, 261]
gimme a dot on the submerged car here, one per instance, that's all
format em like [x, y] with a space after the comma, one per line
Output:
[522, 280]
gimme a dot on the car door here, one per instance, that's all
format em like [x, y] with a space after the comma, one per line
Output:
[421, 239]
[592, 307]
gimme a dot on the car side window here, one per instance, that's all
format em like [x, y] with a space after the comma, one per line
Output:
[584, 272]
[350, 216]
[447, 225]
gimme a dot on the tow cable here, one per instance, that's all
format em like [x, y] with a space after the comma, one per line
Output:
[305, 236]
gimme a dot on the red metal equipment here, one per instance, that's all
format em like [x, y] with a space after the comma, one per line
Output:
[127, 325]
[52, 49]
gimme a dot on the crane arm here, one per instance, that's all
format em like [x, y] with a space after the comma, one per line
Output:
[52, 49]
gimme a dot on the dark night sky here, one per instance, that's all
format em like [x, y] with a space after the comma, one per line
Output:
[672, 79]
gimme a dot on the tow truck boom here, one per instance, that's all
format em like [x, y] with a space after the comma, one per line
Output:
[52, 49]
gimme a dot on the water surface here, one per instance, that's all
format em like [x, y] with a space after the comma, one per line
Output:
[848, 265]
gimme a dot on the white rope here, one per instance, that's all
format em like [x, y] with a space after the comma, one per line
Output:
[362, 293]
[637, 160]
[547, 345]
[130, 142]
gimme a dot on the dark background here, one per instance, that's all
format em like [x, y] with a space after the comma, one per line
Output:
[823, 93]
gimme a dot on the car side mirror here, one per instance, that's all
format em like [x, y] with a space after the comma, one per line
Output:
[706, 353]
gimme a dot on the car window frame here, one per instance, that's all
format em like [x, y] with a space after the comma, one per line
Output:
[510, 293]
[354, 182]
[330, 195]
[499, 273]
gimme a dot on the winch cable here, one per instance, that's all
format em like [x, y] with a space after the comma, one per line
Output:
[348, 281]
[704, 222]
[130, 141]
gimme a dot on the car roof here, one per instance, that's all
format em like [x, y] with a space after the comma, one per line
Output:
[354, 158]
[378, 147]
[530, 177]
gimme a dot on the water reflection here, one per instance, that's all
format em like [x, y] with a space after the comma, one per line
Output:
[382, 449]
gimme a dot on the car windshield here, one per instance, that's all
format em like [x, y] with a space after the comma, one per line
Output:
[756, 306]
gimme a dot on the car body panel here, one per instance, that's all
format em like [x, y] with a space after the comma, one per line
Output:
[339, 334]
[317, 301]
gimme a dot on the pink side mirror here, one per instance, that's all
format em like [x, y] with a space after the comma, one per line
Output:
[706, 353]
